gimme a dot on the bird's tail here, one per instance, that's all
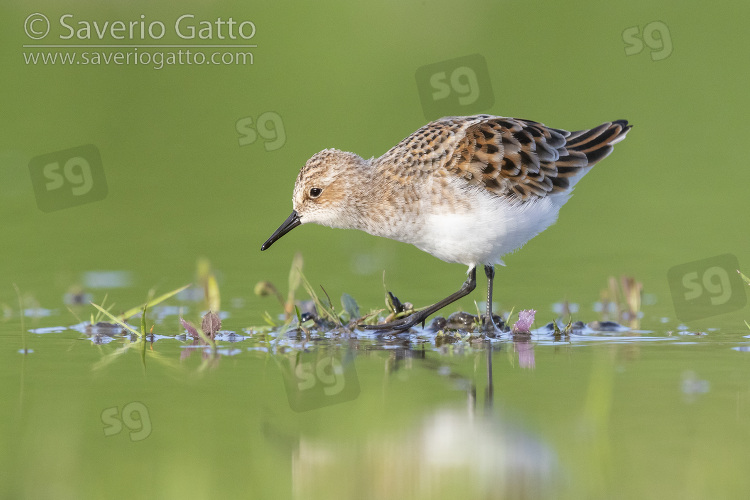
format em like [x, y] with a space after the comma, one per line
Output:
[597, 142]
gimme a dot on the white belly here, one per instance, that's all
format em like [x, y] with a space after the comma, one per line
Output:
[490, 228]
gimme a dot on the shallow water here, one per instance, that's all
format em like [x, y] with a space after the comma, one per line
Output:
[659, 412]
[200, 161]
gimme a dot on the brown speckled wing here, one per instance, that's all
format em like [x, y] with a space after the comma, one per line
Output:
[509, 157]
[523, 159]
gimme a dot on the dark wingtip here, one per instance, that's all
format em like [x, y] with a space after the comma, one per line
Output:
[624, 124]
[597, 143]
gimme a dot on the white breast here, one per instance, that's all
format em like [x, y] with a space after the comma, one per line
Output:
[488, 228]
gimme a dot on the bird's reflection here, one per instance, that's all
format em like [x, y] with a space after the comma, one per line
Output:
[449, 453]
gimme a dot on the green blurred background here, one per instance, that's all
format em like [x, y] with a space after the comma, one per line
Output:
[343, 75]
[184, 184]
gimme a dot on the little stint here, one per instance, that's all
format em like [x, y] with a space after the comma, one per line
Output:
[467, 189]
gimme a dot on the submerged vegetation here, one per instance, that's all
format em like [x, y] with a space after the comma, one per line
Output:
[301, 315]
[620, 301]
[307, 312]
[318, 313]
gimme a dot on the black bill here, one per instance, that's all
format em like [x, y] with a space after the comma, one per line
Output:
[290, 223]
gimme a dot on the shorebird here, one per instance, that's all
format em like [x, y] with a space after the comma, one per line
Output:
[467, 190]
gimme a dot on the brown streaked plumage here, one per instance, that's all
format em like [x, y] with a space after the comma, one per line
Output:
[508, 156]
[465, 189]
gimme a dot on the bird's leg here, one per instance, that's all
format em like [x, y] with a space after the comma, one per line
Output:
[421, 315]
[489, 322]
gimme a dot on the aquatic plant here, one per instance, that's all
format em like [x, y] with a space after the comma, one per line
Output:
[525, 320]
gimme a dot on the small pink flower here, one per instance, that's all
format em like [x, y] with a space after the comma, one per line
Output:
[525, 320]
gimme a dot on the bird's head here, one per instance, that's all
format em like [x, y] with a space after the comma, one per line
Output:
[322, 192]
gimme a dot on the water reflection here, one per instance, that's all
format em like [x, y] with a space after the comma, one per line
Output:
[525, 349]
[692, 386]
[322, 377]
[449, 453]
[345, 344]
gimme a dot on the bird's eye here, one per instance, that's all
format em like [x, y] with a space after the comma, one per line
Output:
[315, 192]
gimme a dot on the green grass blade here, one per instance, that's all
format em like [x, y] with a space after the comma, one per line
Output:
[323, 310]
[143, 321]
[330, 307]
[143, 331]
[295, 280]
[151, 303]
[206, 339]
[116, 320]
[95, 319]
[212, 294]
[74, 314]
[268, 319]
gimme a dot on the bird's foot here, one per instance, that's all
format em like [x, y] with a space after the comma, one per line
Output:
[401, 324]
[492, 327]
